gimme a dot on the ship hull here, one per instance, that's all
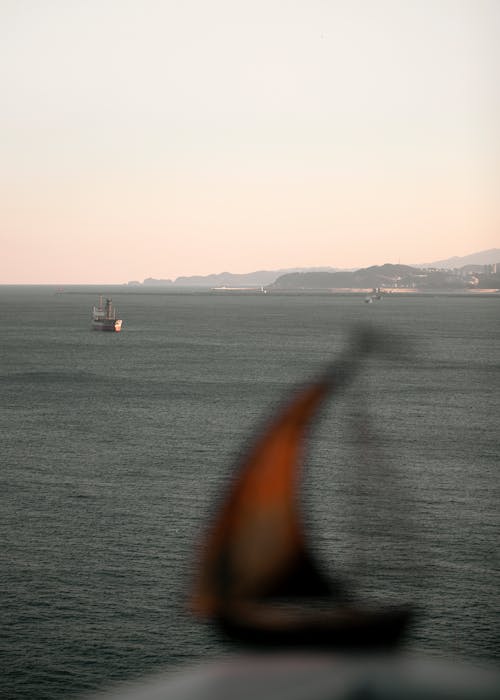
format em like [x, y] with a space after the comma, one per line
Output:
[110, 325]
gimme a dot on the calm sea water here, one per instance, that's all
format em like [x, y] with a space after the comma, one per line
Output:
[114, 447]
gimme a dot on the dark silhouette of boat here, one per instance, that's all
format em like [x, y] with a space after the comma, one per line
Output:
[104, 317]
[257, 579]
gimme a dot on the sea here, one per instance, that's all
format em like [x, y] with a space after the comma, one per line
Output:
[116, 447]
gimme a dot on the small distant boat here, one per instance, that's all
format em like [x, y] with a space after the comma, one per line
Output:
[376, 295]
[104, 317]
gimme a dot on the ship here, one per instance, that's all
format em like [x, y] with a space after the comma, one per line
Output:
[104, 317]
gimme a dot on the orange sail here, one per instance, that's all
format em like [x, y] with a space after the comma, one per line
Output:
[257, 539]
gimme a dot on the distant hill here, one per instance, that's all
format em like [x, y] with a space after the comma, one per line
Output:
[321, 277]
[392, 277]
[484, 257]
[376, 276]
[260, 278]
[157, 282]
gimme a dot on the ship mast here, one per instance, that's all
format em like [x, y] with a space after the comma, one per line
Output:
[110, 312]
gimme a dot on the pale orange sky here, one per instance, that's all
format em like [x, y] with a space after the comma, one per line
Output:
[164, 138]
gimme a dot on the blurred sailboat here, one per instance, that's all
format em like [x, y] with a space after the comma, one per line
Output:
[257, 578]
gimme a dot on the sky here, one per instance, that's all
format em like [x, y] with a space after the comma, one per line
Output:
[159, 139]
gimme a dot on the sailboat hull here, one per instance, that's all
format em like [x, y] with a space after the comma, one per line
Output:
[266, 626]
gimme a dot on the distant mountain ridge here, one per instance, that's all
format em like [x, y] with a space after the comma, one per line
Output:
[263, 278]
[483, 257]
[375, 276]
[260, 278]
[393, 277]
